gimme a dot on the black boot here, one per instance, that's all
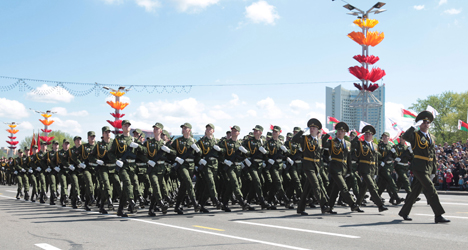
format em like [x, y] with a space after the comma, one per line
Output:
[226, 208]
[78, 200]
[26, 196]
[110, 205]
[73, 203]
[132, 207]
[151, 208]
[87, 203]
[18, 195]
[52, 199]
[120, 210]
[41, 198]
[65, 201]
[163, 206]
[141, 201]
[101, 208]
[264, 204]
[245, 205]
[33, 197]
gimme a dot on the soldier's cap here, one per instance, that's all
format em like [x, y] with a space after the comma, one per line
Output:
[34, 146]
[26, 149]
[251, 134]
[138, 131]
[314, 123]
[20, 151]
[368, 128]
[289, 134]
[386, 134]
[262, 137]
[143, 135]
[55, 142]
[353, 133]
[342, 126]
[425, 116]
[105, 129]
[269, 135]
[277, 128]
[236, 128]
[126, 122]
[66, 141]
[91, 133]
[211, 125]
[76, 138]
[281, 137]
[296, 129]
[258, 127]
[158, 125]
[166, 133]
[43, 143]
[228, 132]
[188, 125]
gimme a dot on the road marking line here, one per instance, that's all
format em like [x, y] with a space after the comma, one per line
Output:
[210, 228]
[453, 203]
[300, 230]
[456, 217]
[7, 197]
[46, 246]
[11, 191]
[219, 234]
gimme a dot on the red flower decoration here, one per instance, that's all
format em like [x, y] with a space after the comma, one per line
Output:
[117, 115]
[46, 139]
[13, 143]
[359, 72]
[366, 59]
[116, 124]
[12, 137]
[46, 130]
[376, 74]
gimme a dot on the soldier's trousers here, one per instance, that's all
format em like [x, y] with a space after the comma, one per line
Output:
[41, 182]
[339, 185]
[255, 171]
[209, 188]
[62, 177]
[75, 184]
[157, 181]
[23, 182]
[116, 186]
[386, 181]
[185, 173]
[53, 183]
[105, 185]
[423, 183]
[277, 182]
[311, 185]
[403, 180]
[369, 185]
[87, 179]
[324, 177]
[144, 182]
[295, 180]
[33, 182]
[234, 185]
[267, 182]
[127, 176]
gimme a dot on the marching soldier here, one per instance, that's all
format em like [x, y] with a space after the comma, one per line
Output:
[50, 159]
[294, 165]
[61, 166]
[20, 167]
[423, 167]
[31, 165]
[75, 174]
[387, 154]
[404, 156]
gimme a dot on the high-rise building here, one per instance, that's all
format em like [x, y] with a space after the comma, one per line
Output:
[338, 100]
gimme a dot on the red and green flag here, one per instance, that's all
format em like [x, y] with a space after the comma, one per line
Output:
[408, 114]
[462, 125]
[332, 120]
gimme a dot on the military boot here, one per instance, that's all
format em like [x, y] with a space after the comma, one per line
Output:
[18, 195]
[110, 205]
[73, 203]
[177, 208]
[65, 201]
[163, 206]
[151, 208]
[132, 207]
[26, 196]
[245, 206]
[120, 210]
[52, 199]
[41, 198]
[33, 197]
[87, 203]
[101, 208]
[263, 203]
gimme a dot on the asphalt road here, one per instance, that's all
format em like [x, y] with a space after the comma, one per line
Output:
[27, 225]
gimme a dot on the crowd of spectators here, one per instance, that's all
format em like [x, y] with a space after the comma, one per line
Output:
[452, 162]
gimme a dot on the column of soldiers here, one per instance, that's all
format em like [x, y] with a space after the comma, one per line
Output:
[308, 169]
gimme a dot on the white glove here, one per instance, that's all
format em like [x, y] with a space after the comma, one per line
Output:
[243, 166]
[393, 150]
[3, 168]
[300, 148]
[305, 130]
[347, 175]
[417, 124]
[410, 149]
[57, 169]
[16, 172]
[375, 177]
[38, 169]
[243, 150]
[82, 165]
[119, 163]
[398, 159]
[284, 166]
[30, 171]
[248, 162]
[134, 145]
[432, 176]
[195, 147]
[175, 164]
[228, 162]
[284, 148]
[151, 163]
[329, 158]
[48, 170]
[262, 149]
[382, 164]
[202, 162]
[271, 161]
[263, 164]
[165, 149]
[217, 148]
[290, 161]
[179, 160]
[72, 168]
[23, 170]
[196, 168]
[100, 162]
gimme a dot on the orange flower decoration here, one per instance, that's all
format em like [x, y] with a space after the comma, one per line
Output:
[46, 115]
[12, 131]
[46, 122]
[118, 93]
[117, 105]
[373, 38]
[12, 126]
[369, 23]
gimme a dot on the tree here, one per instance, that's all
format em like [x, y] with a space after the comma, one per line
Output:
[59, 136]
[451, 107]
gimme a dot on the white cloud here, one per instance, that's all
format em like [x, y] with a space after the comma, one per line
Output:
[271, 110]
[64, 112]
[442, 2]
[193, 5]
[25, 126]
[320, 105]
[68, 126]
[298, 105]
[113, 1]
[261, 12]
[235, 100]
[418, 7]
[48, 94]
[12, 109]
[453, 11]
[219, 115]
[149, 5]
[252, 113]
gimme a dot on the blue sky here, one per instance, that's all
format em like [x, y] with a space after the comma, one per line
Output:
[235, 42]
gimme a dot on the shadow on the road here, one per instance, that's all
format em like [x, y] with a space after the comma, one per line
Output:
[101, 218]
[227, 245]
[382, 224]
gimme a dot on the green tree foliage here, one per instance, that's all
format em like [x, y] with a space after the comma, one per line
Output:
[59, 136]
[451, 107]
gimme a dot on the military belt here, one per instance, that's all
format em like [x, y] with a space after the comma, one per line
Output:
[141, 164]
[189, 160]
[279, 160]
[130, 160]
[339, 160]
[160, 162]
[389, 162]
[298, 161]
[213, 158]
[93, 164]
[310, 159]
[353, 162]
[110, 165]
[258, 160]
[402, 164]
[423, 157]
[367, 162]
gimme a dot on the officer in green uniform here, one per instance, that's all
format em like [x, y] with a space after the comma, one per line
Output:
[21, 168]
[312, 150]
[186, 152]
[3, 167]
[141, 183]
[86, 168]
[385, 180]
[353, 180]
[367, 155]
[404, 156]
[294, 166]
[50, 159]
[32, 166]
[75, 173]
[340, 162]
[208, 167]
[61, 166]
[423, 167]
[100, 156]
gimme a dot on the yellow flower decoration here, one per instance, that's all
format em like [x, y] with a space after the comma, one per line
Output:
[46, 115]
[12, 131]
[369, 23]
[117, 105]
[373, 38]
[12, 126]
[118, 93]
[46, 122]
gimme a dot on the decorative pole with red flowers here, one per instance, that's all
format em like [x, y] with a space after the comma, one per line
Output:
[12, 137]
[46, 122]
[117, 106]
[366, 38]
